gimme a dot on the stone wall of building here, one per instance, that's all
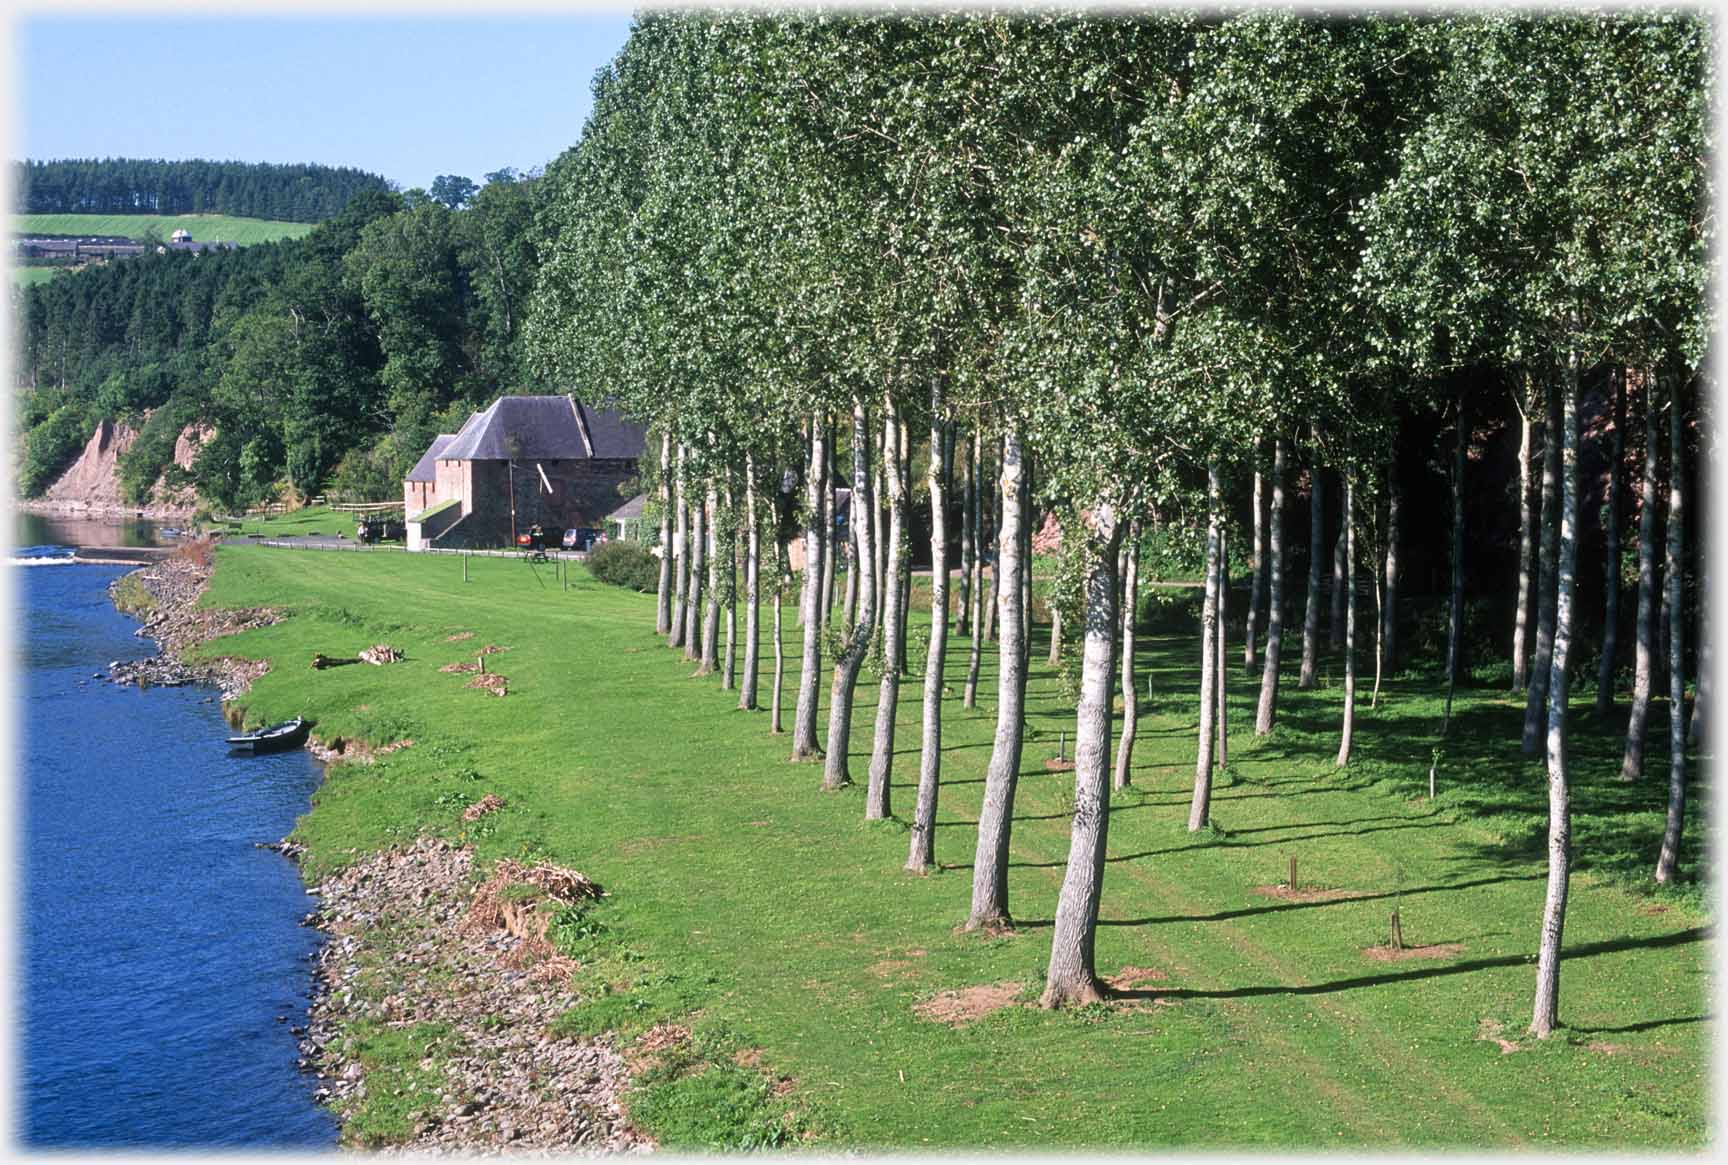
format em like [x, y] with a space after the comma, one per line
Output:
[582, 493]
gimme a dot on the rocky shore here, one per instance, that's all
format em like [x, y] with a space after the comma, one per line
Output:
[169, 609]
[412, 940]
[413, 943]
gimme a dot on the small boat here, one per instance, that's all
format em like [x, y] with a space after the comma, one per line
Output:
[275, 738]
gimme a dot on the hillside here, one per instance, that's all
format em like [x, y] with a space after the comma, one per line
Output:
[298, 192]
[204, 227]
[93, 481]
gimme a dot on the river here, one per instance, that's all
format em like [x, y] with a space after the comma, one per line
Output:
[162, 962]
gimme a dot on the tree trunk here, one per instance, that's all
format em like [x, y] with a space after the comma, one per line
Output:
[1526, 544]
[663, 588]
[1335, 620]
[830, 551]
[876, 796]
[1316, 556]
[1130, 696]
[904, 540]
[779, 647]
[804, 745]
[752, 579]
[1251, 626]
[922, 851]
[1611, 555]
[1267, 712]
[1547, 1009]
[1349, 536]
[1028, 523]
[698, 545]
[877, 541]
[968, 544]
[728, 662]
[1632, 762]
[993, 603]
[711, 624]
[1386, 651]
[1200, 809]
[1668, 861]
[1697, 728]
[1541, 671]
[850, 658]
[849, 605]
[1054, 658]
[975, 478]
[990, 866]
[1220, 677]
[1380, 624]
[680, 558]
[1072, 977]
[1455, 608]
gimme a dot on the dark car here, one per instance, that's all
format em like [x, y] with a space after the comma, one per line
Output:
[581, 538]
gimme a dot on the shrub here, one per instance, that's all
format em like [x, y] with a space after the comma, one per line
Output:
[625, 564]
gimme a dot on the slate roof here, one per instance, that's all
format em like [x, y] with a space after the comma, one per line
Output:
[550, 428]
[424, 469]
[630, 509]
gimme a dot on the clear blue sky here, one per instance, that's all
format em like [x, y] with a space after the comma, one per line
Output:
[408, 97]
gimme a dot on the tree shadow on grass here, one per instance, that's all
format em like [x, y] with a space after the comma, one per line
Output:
[1647, 1025]
[1280, 907]
[1584, 951]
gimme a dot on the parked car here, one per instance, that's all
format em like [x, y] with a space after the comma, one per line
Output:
[378, 529]
[581, 538]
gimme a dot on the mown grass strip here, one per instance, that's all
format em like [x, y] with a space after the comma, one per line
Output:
[763, 908]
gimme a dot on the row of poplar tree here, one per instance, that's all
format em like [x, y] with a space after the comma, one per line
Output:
[1091, 263]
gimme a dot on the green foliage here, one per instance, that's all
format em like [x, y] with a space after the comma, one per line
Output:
[300, 192]
[50, 446]
[368, 475]
[625, 564]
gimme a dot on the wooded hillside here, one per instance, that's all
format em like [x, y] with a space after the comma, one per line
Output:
[300, 192]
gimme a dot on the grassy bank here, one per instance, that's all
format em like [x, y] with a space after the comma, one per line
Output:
[778, 925]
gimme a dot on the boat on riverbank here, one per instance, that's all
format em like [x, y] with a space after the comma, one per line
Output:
[275, 738]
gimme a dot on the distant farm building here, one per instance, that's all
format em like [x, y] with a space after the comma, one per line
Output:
[625, 523]
[550, 461]
[50, 250]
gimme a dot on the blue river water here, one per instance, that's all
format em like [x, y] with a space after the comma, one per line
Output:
[160, 952]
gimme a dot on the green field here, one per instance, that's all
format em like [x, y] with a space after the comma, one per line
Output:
[767, 914]
[205, 228]
[29, 276]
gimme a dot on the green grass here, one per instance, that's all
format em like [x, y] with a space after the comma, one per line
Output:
[768, 915]
[30, 276]
[307, 520]
[205, 228]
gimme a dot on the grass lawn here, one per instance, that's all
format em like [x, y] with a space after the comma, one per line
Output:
[767, 914]
[306, 520]
[205, 228]
[30, 276]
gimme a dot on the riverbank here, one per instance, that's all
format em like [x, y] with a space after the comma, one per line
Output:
[101, 510]
[432, 1022]
[165, 597]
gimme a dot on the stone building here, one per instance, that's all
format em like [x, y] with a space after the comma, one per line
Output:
[550, 460]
